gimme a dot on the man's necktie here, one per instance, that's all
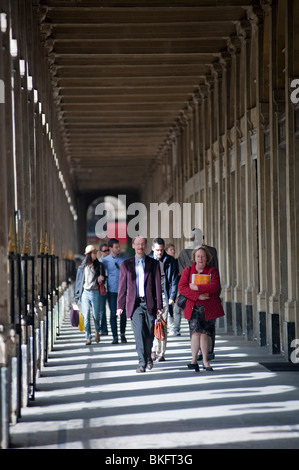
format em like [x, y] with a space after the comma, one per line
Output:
[140, 278]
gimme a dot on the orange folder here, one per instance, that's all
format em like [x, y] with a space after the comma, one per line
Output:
[201, 279]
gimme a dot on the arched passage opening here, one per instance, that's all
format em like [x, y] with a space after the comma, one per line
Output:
[92, 208]
[106, 219]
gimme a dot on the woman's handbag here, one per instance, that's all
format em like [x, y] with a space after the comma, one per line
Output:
[102, 287]
[159, 329]
[181, 301]
[74, 316]
[81, 322]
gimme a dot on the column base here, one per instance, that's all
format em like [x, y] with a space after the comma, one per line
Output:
[274, 333]
[228, 319]
[288, 337]
[248, 323]
[262, 327]
[237, 319]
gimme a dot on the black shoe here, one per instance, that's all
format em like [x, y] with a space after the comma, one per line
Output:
[115, 341]
[140, 369]
[193, 366]
[123, 339]
[209, 369]
[150, 364]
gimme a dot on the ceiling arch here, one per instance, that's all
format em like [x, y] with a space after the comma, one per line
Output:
[122, 73]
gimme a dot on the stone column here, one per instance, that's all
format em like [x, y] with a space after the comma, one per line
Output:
[236, 234]
[5, 182]
[202, 150]
[209, 227]
[291, 67]
[276, 106]
[195, 104]
[218, 153]
[225, 256]
[249, 191]
[261, 122]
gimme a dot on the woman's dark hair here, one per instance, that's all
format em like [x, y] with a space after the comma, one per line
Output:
[88, 260]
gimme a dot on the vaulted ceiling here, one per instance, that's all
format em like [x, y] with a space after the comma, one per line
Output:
[122, 71]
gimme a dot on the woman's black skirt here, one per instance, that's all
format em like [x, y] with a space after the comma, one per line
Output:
[198, 323]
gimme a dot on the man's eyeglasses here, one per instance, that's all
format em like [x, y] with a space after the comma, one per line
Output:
[105, 251]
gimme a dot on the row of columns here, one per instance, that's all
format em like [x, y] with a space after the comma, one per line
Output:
[35, 182]
[235, 149]
[38, 218]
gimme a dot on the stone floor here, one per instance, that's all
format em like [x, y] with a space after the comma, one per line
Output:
[92, 398]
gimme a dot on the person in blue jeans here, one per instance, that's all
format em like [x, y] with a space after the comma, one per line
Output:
[89, 276]
[112, 264]
[175, 320]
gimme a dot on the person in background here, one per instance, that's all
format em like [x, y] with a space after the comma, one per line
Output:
[203, 305]
[112, 264]
[89, 276]
[104, 251]
[169, 282]
[174, 321]
[140, 294]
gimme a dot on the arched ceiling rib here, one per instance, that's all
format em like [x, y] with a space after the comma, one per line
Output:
[123, 71]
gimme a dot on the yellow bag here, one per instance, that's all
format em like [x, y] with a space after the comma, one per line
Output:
[81, 322]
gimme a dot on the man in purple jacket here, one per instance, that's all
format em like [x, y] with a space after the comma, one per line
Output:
[140, 293]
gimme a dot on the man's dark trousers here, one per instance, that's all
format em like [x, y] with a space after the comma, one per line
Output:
[143, 328]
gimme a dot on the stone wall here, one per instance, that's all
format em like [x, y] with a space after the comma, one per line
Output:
[235, 149]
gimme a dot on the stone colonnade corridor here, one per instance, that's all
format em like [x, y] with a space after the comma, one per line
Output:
[92, 398]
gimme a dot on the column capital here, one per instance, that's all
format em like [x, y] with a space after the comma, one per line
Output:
[203, 92]
[256, 13]
[183, 119]
[209, 81]
[225, 60]
[217, 70]
[46, 30]
[234, 45]
[244, 30]
[42, 10]
[194, 100]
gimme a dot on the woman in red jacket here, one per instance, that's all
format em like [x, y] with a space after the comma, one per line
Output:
[203, 305]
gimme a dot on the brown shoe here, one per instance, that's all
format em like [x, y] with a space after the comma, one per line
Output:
[161, 358]
[140, 369]
[97, 337]
[88, 342]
